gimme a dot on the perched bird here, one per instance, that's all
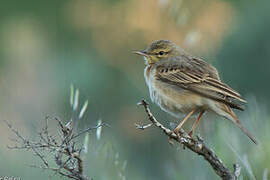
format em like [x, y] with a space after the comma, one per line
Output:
[182, 84]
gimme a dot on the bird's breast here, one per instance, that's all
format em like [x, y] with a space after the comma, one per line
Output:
[170, 98]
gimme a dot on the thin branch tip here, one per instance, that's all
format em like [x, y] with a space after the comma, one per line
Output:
[143, 102]
[143, 127]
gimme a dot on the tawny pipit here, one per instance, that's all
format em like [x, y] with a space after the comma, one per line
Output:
[182, 84]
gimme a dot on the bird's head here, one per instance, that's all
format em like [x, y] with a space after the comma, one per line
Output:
[159, 50]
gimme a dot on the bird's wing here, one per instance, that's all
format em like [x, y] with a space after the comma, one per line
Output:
[201, 78]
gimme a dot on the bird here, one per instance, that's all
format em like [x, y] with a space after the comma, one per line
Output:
[180, 83]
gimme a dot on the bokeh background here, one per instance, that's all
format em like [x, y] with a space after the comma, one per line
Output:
[45, 46]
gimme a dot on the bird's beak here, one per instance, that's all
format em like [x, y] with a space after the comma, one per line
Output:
[141, 53]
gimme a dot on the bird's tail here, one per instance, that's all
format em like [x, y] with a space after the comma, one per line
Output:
[246, 132]
[236, 121]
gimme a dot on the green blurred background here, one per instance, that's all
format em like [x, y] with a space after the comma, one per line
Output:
[47, 45]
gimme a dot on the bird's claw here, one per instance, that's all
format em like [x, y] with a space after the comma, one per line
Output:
[176, 131]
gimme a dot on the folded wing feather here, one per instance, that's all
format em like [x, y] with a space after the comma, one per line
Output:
[201, 81]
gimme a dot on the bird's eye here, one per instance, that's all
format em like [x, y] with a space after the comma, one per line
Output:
[161, 53]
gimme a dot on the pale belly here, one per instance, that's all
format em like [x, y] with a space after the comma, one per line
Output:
[174, 100]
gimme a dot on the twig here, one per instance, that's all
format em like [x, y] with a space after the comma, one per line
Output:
[196, 146]
[89, 129]
[68, 160]
[143, 127]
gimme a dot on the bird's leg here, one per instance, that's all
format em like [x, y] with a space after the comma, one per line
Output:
[176, 130]
[196, 123]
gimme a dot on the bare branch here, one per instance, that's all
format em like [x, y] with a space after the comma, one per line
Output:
[89, 129]
[197, 146]
[68, 161]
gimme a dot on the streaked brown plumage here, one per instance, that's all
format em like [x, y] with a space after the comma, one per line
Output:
[182, 84]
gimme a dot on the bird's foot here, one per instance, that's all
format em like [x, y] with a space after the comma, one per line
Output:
[175, 131]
